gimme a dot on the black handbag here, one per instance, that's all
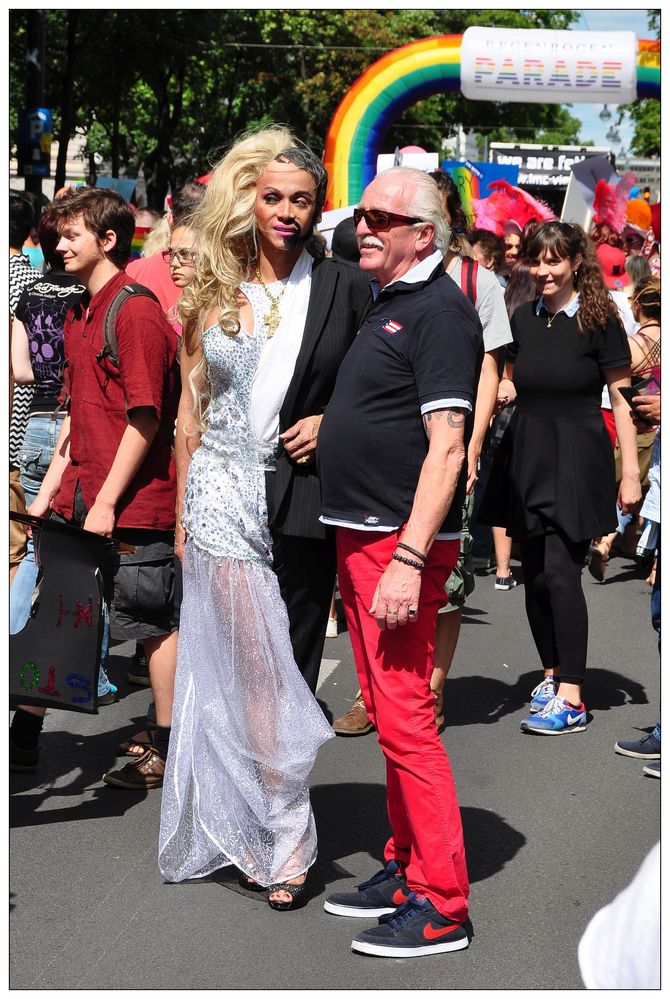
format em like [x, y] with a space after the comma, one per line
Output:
[496, 431]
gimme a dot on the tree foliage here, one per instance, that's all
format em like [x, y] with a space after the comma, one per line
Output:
[163, 92]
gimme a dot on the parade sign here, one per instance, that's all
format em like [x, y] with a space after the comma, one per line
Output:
[516, 64]
[54, 661]
[543, 166]
[473, 179]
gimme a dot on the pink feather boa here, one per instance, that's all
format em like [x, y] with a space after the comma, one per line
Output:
[508, 204]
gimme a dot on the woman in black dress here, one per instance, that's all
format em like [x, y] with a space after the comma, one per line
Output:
[552, 485]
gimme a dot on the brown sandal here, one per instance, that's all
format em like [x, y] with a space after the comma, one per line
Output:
[137, 745]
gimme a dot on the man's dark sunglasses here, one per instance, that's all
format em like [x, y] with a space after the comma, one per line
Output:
[377, 220]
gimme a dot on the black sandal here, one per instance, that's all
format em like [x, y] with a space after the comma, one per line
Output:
[297, 893]
[249, 883]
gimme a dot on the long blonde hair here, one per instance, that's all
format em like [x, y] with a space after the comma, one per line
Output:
[157, 239]
[225, 223]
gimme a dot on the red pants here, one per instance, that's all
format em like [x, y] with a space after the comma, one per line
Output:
[608, 417]
[394, 670]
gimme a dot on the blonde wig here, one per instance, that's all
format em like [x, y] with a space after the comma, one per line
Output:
[225, 224]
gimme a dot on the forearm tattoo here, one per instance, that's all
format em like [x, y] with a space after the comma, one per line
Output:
[455, 419]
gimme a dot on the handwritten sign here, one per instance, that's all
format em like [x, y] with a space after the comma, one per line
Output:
[472, 180]
[54, 661]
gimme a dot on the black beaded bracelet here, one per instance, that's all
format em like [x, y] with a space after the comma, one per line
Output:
[401, 544]
[408, 561]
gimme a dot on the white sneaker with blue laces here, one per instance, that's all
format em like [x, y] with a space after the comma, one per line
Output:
[542, 694]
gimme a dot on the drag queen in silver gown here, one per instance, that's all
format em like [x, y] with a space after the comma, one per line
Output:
[245, 726]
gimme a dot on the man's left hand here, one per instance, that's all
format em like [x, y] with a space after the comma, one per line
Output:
[396, 599]
[300, 440]
[100, 519]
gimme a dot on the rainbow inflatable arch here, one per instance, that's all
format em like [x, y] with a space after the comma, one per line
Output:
[395, 82]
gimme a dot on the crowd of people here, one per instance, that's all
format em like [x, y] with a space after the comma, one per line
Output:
[273, 417]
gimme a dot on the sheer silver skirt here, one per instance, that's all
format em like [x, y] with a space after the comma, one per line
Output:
[245, 730]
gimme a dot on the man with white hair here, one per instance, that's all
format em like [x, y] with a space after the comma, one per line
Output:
[391, 461]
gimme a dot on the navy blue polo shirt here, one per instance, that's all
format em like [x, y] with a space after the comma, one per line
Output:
[420, 348]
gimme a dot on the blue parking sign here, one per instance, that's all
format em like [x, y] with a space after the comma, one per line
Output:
[34, 145]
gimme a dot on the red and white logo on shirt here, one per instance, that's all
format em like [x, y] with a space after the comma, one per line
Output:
[392, 326]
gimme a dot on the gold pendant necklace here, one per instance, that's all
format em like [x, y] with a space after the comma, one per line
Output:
[551, 318]
[273, 318]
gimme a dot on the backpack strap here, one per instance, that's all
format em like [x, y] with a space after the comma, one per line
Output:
[469, 268]
[110, 347]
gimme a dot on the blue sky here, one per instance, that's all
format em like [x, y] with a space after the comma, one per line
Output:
[608, 20]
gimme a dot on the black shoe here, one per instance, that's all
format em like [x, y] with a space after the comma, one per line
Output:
[138, 673]
[380, 895]
[646, 748]
[416, 929]
[23, 761]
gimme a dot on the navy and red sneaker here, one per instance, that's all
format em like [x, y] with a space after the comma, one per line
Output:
[416, 929]
[380, 895]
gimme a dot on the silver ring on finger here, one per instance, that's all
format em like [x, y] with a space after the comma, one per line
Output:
[412, 612]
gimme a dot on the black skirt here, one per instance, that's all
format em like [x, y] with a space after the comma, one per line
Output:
[552, 471]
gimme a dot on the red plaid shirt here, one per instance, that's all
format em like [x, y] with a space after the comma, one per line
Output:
[101, 395]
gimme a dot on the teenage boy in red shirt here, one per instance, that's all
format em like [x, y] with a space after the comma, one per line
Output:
[113, 471]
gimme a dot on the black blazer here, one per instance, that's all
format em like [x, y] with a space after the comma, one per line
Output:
[338, 299]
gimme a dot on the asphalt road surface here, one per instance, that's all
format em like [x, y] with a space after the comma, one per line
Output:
[554, 829]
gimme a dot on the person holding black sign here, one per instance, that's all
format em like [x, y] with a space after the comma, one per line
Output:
[113, 471]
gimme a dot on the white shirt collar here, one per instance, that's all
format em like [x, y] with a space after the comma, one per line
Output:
[570, 309]
[420, 272]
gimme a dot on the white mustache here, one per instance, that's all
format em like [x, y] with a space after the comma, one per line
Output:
[369, 243]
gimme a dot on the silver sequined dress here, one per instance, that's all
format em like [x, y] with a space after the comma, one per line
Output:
[245, 726]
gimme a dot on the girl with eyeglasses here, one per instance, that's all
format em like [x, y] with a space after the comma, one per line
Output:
[181, 257]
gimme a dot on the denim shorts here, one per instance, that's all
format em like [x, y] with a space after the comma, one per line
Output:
[37, 451]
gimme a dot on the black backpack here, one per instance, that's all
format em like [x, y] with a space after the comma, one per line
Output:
[110, 348]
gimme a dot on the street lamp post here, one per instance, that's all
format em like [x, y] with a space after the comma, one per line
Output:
[35, 78]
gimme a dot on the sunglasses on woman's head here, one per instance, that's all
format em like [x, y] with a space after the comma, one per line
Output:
[378, 220]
